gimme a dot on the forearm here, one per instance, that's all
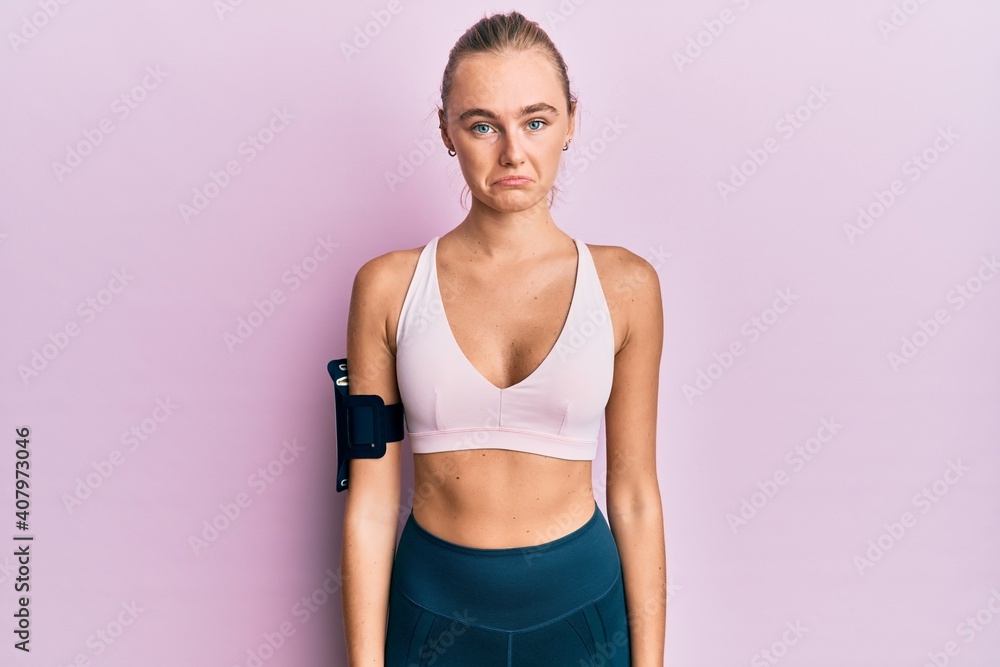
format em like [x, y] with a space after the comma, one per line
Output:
[366, 567]
[639, 535]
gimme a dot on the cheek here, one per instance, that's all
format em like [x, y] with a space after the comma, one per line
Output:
[477, 163]
[473, 171]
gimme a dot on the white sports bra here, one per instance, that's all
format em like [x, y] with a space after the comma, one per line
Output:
[555, 411]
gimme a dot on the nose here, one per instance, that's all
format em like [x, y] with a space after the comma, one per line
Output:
[511, 150]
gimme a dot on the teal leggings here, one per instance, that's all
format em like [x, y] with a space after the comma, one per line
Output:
[558, 604]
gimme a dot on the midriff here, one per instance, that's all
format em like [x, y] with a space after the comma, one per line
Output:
[497, 499]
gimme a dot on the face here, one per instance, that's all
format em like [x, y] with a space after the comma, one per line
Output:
[507, 116]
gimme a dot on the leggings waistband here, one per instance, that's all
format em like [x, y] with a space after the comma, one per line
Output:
[509, 588]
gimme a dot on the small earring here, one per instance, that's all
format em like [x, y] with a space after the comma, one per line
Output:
[566, 147]
[452, 153]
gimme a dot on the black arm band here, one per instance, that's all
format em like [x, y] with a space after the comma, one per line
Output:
[364, 423]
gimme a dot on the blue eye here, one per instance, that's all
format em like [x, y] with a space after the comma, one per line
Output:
[530, 123]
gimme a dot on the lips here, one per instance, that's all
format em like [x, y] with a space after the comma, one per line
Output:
[515, 179]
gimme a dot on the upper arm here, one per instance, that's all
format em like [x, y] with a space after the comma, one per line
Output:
[630, 416]
[374, 487]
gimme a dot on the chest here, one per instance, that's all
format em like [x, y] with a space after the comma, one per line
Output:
[506, 325]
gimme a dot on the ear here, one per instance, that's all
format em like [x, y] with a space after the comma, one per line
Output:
[572, 121]
[443, 124]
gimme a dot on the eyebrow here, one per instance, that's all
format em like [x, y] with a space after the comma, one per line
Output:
[537, 107]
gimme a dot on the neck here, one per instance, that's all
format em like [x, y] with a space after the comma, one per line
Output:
[508, 235]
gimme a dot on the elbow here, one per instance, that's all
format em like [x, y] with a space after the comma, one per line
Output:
[635, 501]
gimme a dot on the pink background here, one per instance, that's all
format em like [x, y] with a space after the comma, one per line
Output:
[113, 515]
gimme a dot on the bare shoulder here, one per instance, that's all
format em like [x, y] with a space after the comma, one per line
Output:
[379, 275]
[631, 287]
[380, 287]
[619, 267]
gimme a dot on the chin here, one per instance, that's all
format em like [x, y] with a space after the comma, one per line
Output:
[521, 204]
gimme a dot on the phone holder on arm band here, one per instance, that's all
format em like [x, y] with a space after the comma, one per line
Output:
[364, 423]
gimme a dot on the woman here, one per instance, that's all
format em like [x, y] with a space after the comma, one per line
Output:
[506, 340]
